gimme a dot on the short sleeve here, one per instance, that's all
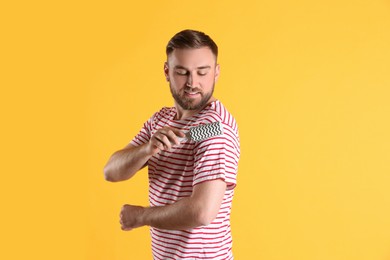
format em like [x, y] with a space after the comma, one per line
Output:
[217, 158]
[144, 134]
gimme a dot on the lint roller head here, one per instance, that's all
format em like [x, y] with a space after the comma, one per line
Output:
[204, 132]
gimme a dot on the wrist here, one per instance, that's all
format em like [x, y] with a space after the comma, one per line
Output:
[148, 149]
[143, 217]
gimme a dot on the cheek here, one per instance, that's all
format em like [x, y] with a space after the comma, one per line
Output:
[177, 83]
[178, 79]
[209, 80]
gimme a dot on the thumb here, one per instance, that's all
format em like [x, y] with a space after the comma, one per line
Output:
[178, 132]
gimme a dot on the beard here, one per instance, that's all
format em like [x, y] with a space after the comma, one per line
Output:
[190, 103]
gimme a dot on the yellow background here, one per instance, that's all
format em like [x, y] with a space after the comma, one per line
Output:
[308, 82]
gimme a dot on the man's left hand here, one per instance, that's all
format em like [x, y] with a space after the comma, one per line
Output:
[130, 217]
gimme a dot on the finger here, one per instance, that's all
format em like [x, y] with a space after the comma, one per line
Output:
[164, 140]
[157, 143]
[178, 132]
[172, 136]
[122, 215]
[125, 227]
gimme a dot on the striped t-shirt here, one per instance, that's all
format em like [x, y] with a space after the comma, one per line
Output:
[174, 173]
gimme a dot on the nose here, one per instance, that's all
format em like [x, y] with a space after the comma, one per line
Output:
[192, 81]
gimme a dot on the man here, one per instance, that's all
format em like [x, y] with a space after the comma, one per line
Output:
[191, 184]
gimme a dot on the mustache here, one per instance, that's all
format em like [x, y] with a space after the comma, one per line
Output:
[189, 89]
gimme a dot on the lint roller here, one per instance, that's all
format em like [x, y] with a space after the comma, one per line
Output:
[204, 132]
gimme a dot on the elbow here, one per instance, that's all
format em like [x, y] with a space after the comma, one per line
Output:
[109, 178]
[205, 217]
[108, 175]
[113, 175]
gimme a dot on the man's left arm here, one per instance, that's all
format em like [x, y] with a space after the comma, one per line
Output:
[200, 209]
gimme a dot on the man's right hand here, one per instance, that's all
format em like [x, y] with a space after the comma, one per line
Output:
[163, 139]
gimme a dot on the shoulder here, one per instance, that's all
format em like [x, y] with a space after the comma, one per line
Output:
[165, 113]
[217, 112]
[160, 117]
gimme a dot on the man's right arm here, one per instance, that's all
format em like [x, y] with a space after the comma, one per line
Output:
[124, 163]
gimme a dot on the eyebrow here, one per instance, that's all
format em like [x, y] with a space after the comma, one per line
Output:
[199, 68]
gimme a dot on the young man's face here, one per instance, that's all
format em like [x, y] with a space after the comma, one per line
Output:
[192, 74]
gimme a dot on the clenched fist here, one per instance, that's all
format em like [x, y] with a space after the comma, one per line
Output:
[131, 217]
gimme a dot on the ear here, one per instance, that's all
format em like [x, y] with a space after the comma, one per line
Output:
[166, 71]
[217, 71]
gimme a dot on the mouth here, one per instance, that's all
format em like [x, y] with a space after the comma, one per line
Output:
[191, 93]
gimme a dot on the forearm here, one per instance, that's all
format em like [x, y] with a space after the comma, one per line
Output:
[124, 163]
[183, 214]
[200, 209]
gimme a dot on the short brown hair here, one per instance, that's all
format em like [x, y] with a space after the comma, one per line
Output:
[191, 39]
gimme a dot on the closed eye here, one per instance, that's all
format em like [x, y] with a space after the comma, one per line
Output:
[181, 72]
[203, 72]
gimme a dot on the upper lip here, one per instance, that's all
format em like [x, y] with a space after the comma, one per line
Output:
[192, 91]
